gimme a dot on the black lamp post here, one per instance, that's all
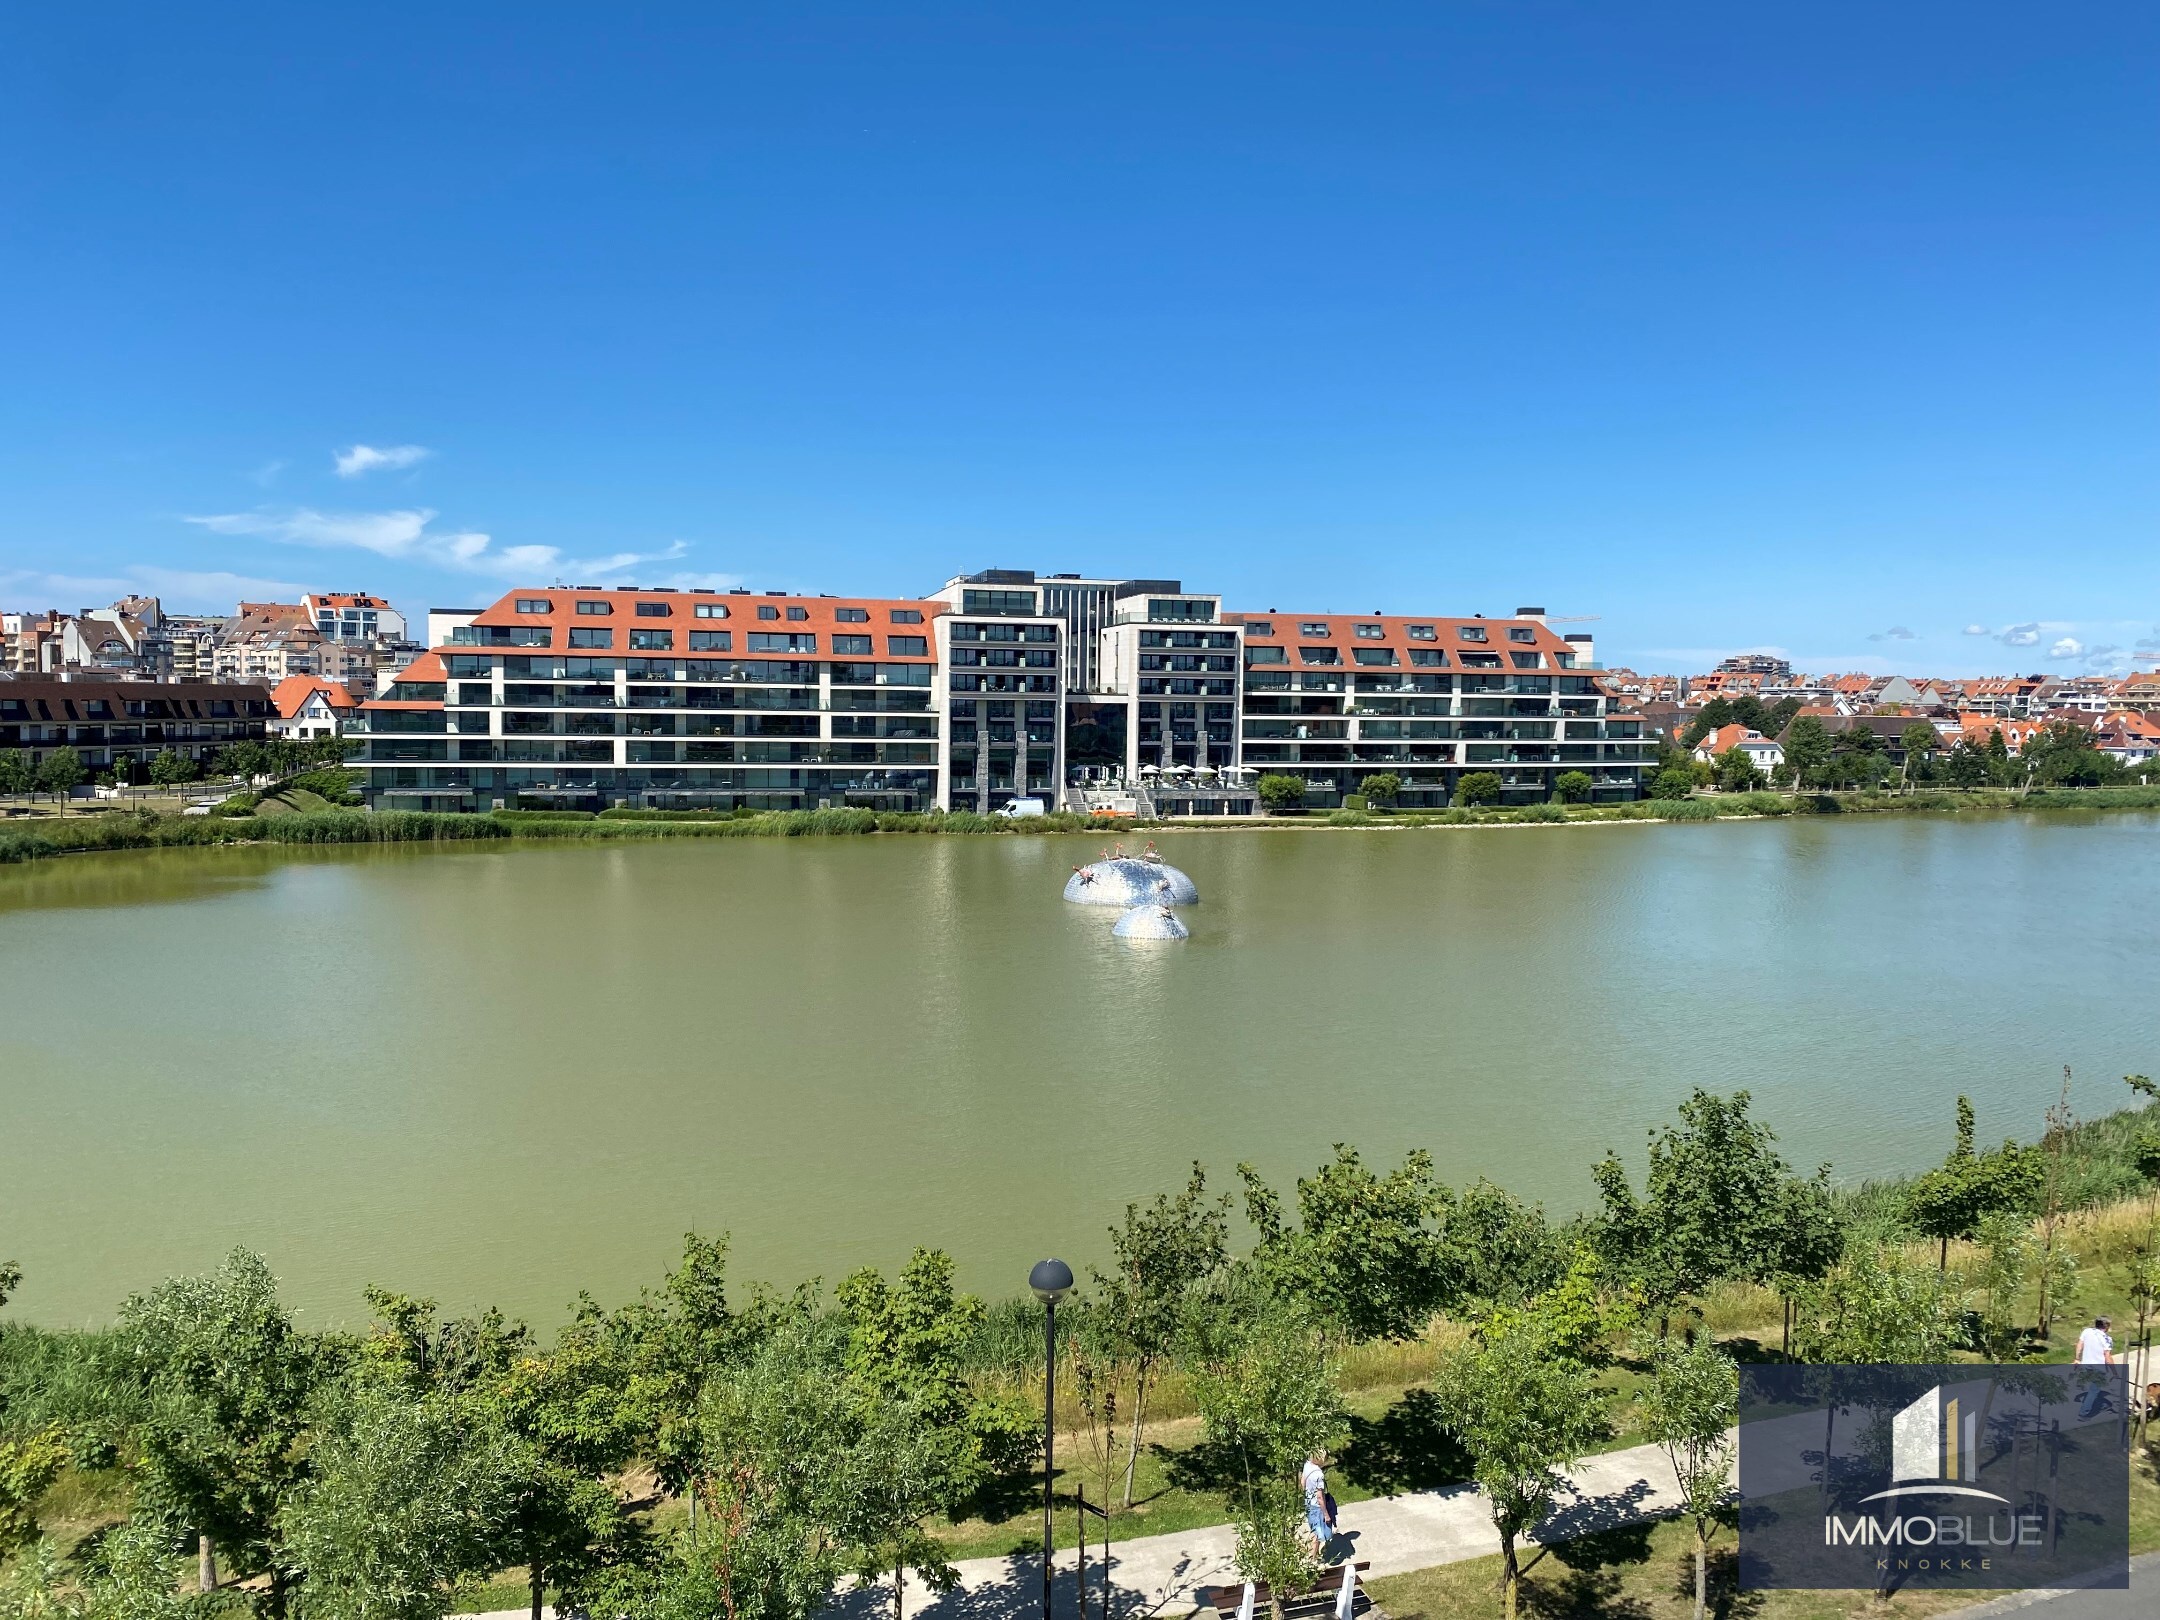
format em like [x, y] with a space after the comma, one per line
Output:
[1052, 1280]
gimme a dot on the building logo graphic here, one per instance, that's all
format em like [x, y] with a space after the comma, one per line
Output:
[1886, 1477]
[1935, 1451]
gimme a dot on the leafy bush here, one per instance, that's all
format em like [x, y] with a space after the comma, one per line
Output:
[1478, 787]
[239, 804]
[1380, 790]
[1573, 786]
[1541, 812]
[1673, 782]
[1281, 792]
[333, 783]
[1351, 816]
[16, 847]
[1355, 801]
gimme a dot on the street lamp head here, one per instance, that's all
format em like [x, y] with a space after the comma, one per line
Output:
[1052, 1280]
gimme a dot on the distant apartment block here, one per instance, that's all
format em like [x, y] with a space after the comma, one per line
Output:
[999, 685]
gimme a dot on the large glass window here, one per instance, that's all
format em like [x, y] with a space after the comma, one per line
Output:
[654, 610]
[850, 646]
[652, 640]
[1007, 602]
[712, 641]
[592, 638]
[783, 641]
[1374, 655]
[1319, 655]
[1267, 655]
[852, 615]
[907, 646]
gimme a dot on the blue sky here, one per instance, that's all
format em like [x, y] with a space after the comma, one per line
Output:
[1826, 328]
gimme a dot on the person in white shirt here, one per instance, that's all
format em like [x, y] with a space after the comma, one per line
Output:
[2096, 1347]
[1313, 1481]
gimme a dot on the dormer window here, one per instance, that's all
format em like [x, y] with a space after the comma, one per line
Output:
[1469, 632]
[596, 609]
[534, 604]
[1259, 627]
[653, 610]
[1423, 632]
[1371, 632]
[1314, 628]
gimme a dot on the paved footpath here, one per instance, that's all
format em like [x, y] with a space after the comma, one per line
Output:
[1158, 1575]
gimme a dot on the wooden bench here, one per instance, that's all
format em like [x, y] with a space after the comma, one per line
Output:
[1317, 1600]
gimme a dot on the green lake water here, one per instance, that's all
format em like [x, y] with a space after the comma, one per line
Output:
[503, 1074]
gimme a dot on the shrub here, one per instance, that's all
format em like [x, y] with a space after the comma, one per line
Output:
[1673, 782]
[520, 817]
[239, 804]
[333, 783]
[1349, 816]
[1380, 790]
[1572, 786]
[1478, 787]
[1282, 793]
[25, 847]
[1541, 812]
[1355, 801]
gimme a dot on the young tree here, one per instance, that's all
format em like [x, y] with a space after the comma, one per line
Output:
[1952, 1200]
[1715, 1205]
[1737, 772]
[1381, 789]
[61, 772]
[1674, 782]
[1477, 787]
[405, 1499]
[1281, 792]
[229, 1379]
[1877, 1306]
[17, 777]
[1165, 1252]
[1807, 748]
[1966, 765]
[908, 1343]
[1268, 1397]
[1919, 742]
[171, 767]
[1523, 1412]
[1572, 786]
[1688, 1408]
[1367, 1257]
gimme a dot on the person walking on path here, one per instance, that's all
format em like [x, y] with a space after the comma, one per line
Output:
[2096, 1346]
[1319, 1506]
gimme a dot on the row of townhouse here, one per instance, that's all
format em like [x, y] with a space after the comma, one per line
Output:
[1087, 693]
[109, 722]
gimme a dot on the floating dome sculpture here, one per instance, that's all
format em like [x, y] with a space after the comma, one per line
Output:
[1119, 879]
[1178, 889]
[1154, 920]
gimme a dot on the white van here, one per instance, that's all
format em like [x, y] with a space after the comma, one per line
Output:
[1021, 807]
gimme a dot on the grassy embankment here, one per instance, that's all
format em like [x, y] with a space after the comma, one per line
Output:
[296, 816]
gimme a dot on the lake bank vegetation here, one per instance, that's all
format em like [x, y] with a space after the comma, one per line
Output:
[303, 810]
[708, 1451]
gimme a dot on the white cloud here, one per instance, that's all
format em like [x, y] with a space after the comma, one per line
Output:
[2020, 635]
[1976, 629]
[362, 459]
[2067, 647]
[1897, 632]
[181, 590]
[405, 535]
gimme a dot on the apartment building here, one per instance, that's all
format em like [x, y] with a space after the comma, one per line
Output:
[1335, 698]
[999, 685]
[696, 699]
[112, 721]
